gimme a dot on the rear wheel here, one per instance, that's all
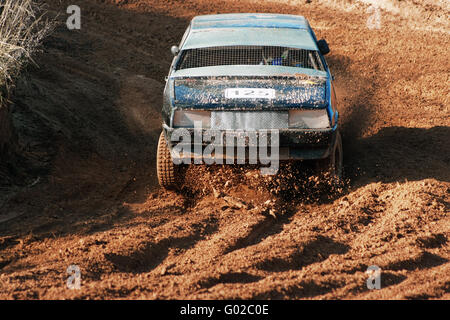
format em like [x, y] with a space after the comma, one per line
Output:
[168, 173]
[331, 168]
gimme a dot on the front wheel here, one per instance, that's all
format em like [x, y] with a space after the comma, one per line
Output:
[168, 173]
[331, 168]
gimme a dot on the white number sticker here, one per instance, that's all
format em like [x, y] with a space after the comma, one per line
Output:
[248, 93]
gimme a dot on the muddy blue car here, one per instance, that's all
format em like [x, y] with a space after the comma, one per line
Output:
[248, 82]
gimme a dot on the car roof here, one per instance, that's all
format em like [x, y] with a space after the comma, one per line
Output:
[249, 20]
[250, 29]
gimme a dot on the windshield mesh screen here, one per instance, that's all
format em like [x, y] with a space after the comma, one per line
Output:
[249, 55]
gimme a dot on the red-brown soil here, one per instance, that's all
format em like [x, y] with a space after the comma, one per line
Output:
[88, 119]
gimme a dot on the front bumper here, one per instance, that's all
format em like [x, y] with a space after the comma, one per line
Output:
[293, 144]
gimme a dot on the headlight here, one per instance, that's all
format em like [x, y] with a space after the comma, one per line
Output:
[186, 118]
[309, 119]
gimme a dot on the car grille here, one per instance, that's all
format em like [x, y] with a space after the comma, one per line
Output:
[249, 55]
[227, 120]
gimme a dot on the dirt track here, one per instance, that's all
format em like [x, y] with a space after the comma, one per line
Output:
[88, 121]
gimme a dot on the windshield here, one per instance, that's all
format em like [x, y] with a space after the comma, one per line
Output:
[249, 55]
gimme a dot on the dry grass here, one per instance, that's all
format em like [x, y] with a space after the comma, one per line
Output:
[22, 27]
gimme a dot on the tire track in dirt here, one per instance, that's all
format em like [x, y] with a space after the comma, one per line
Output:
[258, 232]
[180, 234]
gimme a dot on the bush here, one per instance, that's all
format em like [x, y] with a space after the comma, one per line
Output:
[22, 28]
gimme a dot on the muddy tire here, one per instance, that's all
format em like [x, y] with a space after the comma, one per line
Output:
[167, 172]
[331, 168]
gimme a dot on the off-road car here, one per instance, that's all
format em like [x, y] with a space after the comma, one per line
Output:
[240, 73]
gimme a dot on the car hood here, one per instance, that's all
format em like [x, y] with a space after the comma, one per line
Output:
[249, 92]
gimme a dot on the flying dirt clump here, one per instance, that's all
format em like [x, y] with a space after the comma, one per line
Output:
[243, 186]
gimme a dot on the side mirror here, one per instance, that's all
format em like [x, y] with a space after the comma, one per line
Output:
[175, 50]
[323, 46]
